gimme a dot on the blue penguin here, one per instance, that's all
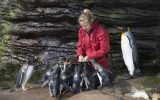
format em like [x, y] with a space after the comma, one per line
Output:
[24, 75]
[102, 74]
[81, 77]
[85, 77]
[63, 71]
[59, 78]
[54, 83]
[129, 52]
[46, 77]
[77, 78]
[67, 72]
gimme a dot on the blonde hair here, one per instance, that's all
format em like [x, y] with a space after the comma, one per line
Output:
[86, 15]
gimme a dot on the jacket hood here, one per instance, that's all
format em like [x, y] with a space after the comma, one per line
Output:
[94, 26]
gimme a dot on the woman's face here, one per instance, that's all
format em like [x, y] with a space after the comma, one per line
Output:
[85, 25]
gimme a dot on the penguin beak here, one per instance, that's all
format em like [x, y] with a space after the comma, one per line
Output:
[123, 29]
[120, 28]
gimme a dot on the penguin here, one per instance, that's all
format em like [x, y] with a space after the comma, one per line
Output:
[66, 73]
[46, 77]
[24, 75]
[59, 79]
[77, 78]
[66, 76]
[63, 71]
[54, 83]
[102, 74]
[85, 78]
[129, 52]
[81, 77]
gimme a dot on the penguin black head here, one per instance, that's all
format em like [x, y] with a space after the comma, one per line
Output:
[32, 61]
[61, 59]
[123, 29]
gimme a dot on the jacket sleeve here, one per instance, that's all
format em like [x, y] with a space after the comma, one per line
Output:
[104, 41]
[79, 45]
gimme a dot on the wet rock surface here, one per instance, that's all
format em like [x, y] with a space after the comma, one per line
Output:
[43, 94]
[116, 92]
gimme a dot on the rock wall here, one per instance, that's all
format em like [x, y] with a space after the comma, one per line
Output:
[143, 19]
[48, 28]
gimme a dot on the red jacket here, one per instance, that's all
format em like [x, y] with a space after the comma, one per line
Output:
[94, 44]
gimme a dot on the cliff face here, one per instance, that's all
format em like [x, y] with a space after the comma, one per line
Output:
[143, 19]
[48, 29]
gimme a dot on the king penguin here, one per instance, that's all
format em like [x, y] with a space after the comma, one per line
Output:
[129, 52]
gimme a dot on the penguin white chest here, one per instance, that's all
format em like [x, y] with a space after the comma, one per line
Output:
[127, 52]
[126, 48]
[125, 44]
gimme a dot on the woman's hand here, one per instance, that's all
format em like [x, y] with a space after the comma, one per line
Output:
[86, 59]
[83, 59]
[80, 58]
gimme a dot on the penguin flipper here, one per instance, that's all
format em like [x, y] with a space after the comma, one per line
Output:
[20, 78]
[13, 90]
[44, 83]
[136, 62]
[86, 81]
[106, 78]
[131, 39]
[100, 80]
[65, 84]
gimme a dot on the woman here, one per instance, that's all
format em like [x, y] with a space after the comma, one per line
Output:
[93, 40]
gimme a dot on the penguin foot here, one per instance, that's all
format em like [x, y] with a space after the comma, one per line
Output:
[138, 71]
[75, 91]
[44, 83]
[139, 74]
[13, 90]
[100, 86]
[24, 88]
[128, 77]
[51, 95]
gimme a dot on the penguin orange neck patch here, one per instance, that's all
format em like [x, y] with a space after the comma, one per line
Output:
[123, 35]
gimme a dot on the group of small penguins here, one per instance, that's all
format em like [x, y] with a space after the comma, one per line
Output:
[74, 77]
[66, 76]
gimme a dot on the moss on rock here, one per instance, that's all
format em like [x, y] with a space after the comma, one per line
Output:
[152, 84]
